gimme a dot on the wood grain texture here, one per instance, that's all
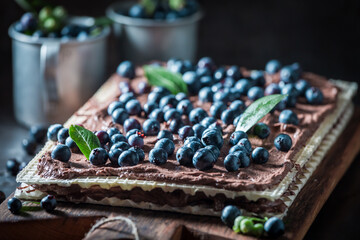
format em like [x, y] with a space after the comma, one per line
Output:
[72, 221]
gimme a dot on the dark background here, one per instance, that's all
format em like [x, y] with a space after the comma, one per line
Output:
[323, 36]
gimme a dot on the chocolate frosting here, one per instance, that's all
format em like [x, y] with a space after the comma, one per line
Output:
[93, 116]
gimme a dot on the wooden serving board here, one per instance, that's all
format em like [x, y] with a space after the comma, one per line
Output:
[72, 221]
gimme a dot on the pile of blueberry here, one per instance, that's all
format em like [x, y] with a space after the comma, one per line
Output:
[160, 10]
[48, 203]
[51, 22]
[232, 217]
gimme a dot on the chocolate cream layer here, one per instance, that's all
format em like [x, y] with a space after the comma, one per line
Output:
[93, 116]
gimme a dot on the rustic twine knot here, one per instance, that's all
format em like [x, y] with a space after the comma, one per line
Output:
[103, 221]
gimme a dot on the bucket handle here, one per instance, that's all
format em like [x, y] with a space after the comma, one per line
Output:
[49, 55]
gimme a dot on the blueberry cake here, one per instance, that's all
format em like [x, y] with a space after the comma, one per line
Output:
[184, 153]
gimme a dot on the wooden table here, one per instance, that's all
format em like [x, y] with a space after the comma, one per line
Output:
[72, 221]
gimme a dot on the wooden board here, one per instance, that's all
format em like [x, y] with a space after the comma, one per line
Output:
[72, 221]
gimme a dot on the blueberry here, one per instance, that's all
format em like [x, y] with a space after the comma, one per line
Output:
[143, 87]
[38, 133]
[128, 158]
[206, 81]
[167, 145]
[114, 155]
[131, 123]
[72, 145]
[228, 82]
[48, 203]
[243, 157]
[194, 145]
[29, 21]
[136, 141]
[192, 81]
[126, 69]
[192, 139]
[196, 115]
[289, 117]
[232, 163]
[215, 150]
[314, 96]
[14, 205]
[233, 72]
[302, 85]
[157, 115]
[98, 156]
[206, 62]
[206, 122]
[203, 159]
[177, 67]
[238, 105]
[12, 166]
[236, 136]
[120, 145]
[181, 96]
[184, 156]
[261, 130]
[258, 77]
[149, 107]
[184, 107]
[62, 135]
[290, 90]
[273, 66]
[172, 113]
[283, 142]
[132, 132]
[297, 70]
[260, 155]
[274, 227]
[246, 144]
[228, 215]
[216, 109]
[119, 116]
[172, 16]
[216, 126]
[185, 131]
[118, 138]
[217, 87]
[154, 97]
[19, 27]
[133, 107]
[164, 91]
[125, 87]
[125, 97]
[228, 116]
[158, 156]
[114, 105]
[290, 101]
[202, 72]
[281, 105]
[206, 95]
[29, 145]
[168, 100]
[255, 93]
[212, 137]
[198, 130]
[222, 95]
[166, 108]
[103, 137]
[235, 93]
[139, 152]
[165, 134]
[288, 75]
[272, 88]
[175, 125]
[236, 120]
[243, 85]
[61, 152]
[219, 74]
[237, 148]
[137, 11]
[53, 131]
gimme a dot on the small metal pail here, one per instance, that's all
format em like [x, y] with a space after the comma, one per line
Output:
[52, 78]
[143, 40]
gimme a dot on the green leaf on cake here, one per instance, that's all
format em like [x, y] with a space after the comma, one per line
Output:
[257, 110]
[159, 76]
[84, 139]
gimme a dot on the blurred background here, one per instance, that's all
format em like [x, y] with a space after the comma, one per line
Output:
[323, 36]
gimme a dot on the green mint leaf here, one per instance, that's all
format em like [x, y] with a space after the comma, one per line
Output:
[176, 4]
[31, 208]
[159, 76]
[257, 110]
[84, 139]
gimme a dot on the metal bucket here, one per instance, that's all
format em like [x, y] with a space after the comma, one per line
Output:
[143, 40]
[53, 77]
